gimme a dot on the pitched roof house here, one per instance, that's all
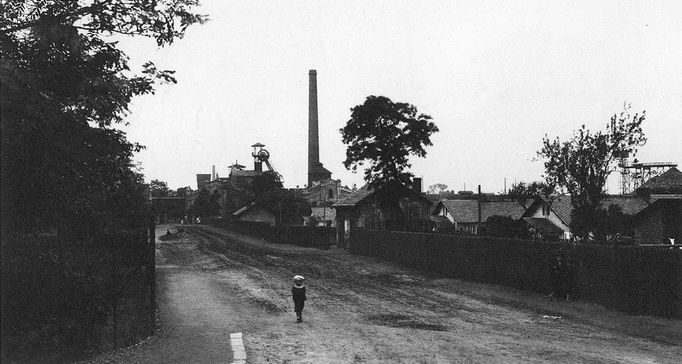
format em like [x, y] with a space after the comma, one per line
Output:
[462, 215]
[550, 218]
[667, 183]
[547, 215]
[661, 219]
[362, 210]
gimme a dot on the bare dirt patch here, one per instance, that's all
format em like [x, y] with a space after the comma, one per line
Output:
[403, 315]
[363, 310]
[398, 320]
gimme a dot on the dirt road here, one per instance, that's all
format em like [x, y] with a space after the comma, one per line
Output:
[213, 283]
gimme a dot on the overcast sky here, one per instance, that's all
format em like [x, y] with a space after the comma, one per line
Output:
[496, 76]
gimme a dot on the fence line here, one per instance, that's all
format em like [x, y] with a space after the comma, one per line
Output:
[633, 279]
[320, 237]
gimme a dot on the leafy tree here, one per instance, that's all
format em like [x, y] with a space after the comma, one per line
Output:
[610, 224]
[582, 164]
[523, 190]
[63, 87]
[68, 178]
[204, 205]
[288, 206]
[267, 190]
[158, 188]
[163, 20]
[381, 135]
[438, 188]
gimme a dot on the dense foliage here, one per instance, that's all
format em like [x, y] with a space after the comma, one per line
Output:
[382, 135]
[582, 164]
[205, 205]
[288, 206]
[160, 189]
[73, 202]
[63, 87]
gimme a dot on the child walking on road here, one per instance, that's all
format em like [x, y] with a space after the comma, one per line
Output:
[298, 294]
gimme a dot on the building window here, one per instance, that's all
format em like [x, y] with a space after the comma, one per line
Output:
[330, 194]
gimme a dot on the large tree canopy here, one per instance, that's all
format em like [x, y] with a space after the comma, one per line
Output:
[582, 164]
[64, 84]
[164, 20]
[381, 135]
[73, 200]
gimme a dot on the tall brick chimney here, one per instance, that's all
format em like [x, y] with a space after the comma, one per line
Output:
[316, 171]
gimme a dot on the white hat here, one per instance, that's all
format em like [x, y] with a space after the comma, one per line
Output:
[298, 278]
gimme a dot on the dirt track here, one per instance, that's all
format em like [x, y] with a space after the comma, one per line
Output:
[213, 282]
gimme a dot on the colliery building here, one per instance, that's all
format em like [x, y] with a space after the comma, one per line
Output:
[321, 191]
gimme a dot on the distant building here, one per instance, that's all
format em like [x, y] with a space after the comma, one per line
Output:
[470, 215]
[362, 210]
[547, 222]
[325, 192]
[557, 211]
[323, 216]
[662, 218]
[321, 189]
[655, 209]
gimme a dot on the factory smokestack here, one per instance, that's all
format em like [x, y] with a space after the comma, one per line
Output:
[316, 171]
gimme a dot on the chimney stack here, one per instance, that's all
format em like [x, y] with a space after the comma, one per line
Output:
[313, 136]
[316, 171]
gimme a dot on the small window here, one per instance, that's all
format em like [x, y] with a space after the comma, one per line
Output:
[330, 194]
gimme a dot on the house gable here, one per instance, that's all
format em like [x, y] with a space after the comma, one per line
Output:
[541, 209]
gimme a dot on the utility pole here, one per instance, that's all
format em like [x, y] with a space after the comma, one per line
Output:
[478, 229]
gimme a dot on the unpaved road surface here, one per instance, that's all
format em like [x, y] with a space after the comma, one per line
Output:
[213, 282]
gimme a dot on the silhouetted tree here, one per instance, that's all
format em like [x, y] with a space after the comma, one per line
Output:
[290, 207]
[67, 173]
[204, 205]
[582, 164]
[381, 136]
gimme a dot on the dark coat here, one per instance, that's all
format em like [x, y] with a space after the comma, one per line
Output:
[298, 293]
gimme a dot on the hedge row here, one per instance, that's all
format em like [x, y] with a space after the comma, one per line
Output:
[59, 295]
[308, 236]
[641, 280]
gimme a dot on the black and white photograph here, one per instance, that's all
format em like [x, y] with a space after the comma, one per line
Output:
[379, 181]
